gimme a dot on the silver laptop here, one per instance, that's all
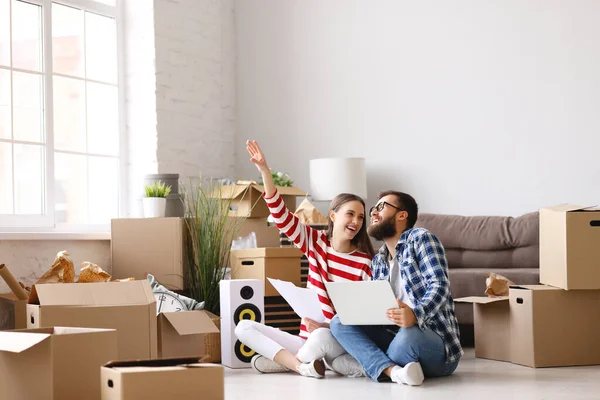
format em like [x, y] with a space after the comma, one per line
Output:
[362, 303]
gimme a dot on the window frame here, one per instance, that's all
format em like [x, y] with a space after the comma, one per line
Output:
[47, 223]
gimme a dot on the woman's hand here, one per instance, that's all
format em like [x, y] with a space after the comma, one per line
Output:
[313, 325]
[257, 156]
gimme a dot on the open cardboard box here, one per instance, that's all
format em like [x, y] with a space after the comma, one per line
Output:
[182, 379]
[538, 326]
[128, 307]
[183, 334]
[569, 247]
[54, 363]
[245, 196]
[20, 310]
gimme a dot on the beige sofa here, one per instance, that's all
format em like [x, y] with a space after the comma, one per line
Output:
[476, 246]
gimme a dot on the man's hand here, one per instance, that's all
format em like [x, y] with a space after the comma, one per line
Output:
[404, 316]
[313, 325]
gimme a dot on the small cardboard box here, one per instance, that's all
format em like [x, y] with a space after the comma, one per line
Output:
[266, 235]
[491, 318]
[569, 247]
[54, 363]
[183, 334]
[246, 196]
[142, 246]
[20, 310]
[128, 307]
[181, 379]
[262, 263]
[539, 326]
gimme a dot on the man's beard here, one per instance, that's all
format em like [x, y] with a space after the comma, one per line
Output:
[383, 230]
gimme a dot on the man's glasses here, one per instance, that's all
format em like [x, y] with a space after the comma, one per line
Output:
[379, 207]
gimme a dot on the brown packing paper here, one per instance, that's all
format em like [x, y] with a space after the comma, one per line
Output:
[309, 215]
[91, 272]
[497, 285]
[62, 270]
[12, 283]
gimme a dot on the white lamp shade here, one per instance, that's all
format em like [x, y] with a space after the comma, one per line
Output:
[332, 176]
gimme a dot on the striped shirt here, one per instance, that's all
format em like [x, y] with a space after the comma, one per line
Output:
[325, 264]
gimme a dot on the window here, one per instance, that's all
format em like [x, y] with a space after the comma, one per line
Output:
[60, 141]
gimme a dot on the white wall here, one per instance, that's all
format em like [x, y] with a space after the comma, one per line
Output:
[474, 107]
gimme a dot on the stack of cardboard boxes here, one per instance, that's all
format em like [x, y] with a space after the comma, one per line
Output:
[269, 259]
[555, 323]
[75, 329]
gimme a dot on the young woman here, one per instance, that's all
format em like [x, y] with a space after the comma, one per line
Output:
[343, 252]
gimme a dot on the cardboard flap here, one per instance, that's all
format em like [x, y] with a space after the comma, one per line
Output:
[191, 322]
[92, 294]
[480, 299]
[233, 191]
[567, 208]
[533, 287]
[290, 191]
[17, 342]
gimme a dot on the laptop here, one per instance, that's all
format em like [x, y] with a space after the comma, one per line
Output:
[362, 303]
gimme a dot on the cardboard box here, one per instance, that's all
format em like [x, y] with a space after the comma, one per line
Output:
[539, 326]
[262, 263]
[181, 379]
[182, 334]
[569, 247]
[128, 307]
[20, 310]
[142, 246]
[246, 199]
[491, 318]
[54, 363]
[266, 236]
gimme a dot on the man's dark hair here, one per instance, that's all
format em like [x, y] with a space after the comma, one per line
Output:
[407, 203]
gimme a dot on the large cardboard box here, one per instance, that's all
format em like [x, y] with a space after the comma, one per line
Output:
[183, 334]
[569, 247]
[128, 307]
[262, 263]
[142, 246]
[20, 310]
[266, 235]
[539, 326]
[54, 363]
[181, 379]
[246, 199]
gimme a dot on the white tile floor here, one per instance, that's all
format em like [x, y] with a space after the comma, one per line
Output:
[473, 379]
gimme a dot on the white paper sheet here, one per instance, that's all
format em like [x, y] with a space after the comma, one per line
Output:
[303, 301]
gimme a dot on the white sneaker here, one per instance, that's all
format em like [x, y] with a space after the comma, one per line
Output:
[411, 374]
[313, 369]
[348, 366]
[265, 366]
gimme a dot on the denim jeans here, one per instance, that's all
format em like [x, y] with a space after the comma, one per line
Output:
[381, 346]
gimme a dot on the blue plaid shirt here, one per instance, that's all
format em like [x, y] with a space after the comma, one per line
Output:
[424, 271]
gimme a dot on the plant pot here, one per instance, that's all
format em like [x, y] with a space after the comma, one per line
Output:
[154, 207]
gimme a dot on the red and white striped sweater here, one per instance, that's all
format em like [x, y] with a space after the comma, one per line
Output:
[325, 264]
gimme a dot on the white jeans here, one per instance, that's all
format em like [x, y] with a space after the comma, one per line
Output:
[268, 341]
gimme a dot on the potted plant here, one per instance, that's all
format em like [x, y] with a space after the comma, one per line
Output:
[155, 202]
[209, 232]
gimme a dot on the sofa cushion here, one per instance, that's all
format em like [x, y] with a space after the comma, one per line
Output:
[486, 242]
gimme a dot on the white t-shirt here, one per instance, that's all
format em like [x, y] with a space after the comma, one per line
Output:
[398, 284]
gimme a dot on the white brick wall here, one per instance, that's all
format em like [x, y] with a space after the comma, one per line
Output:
[195, 97]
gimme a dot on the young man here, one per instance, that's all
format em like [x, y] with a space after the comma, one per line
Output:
[424, 342]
